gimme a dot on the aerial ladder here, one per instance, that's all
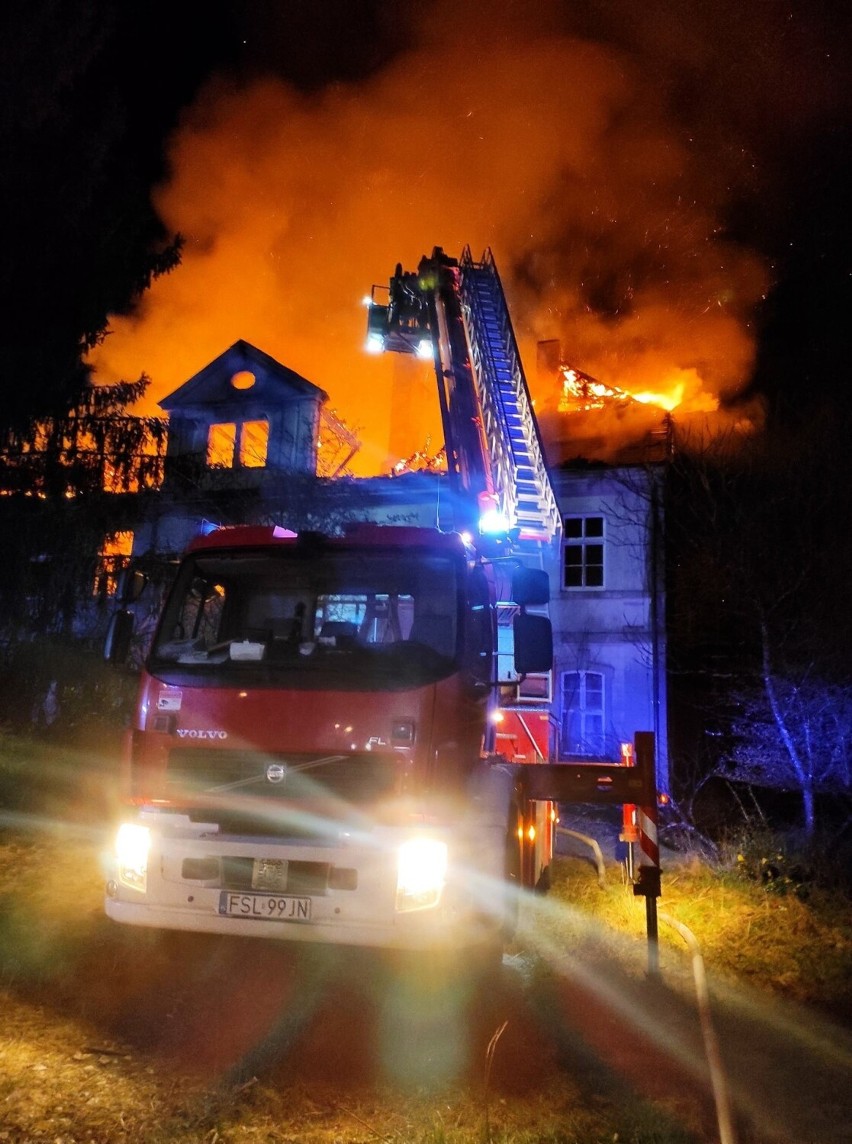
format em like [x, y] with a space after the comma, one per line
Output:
[454, 312]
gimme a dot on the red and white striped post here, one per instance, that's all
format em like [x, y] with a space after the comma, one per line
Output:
[648, 882]
[646, 828]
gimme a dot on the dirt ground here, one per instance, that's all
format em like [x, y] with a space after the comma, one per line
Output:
[113, 1034]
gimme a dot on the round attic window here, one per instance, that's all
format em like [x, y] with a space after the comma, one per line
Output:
[245, 379]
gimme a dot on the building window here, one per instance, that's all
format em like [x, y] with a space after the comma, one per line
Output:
[221, 446]
[254, 440]
[243, 444]
[583, 552]
[113, 557]
[581, 729]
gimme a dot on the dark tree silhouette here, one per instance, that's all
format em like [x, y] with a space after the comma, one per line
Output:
[66, 483]
[759, 626]
[82, 124]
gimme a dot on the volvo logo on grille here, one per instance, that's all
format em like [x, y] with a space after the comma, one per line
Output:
[276, 773]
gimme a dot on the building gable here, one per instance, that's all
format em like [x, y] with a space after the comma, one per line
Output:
[241, 376]
[243, 411]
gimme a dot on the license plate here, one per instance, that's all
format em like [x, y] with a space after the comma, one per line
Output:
[268, 907]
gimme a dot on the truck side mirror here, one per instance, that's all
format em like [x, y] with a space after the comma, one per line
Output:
[118, 636]
[132, 585]
[533, 636]
[530, 587]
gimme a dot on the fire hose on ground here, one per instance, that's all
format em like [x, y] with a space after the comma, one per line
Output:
[718, 1081]
[593, 845]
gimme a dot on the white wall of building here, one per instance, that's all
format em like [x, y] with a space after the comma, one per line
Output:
[607, 608]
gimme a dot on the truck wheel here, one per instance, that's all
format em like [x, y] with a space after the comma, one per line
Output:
[543, 884]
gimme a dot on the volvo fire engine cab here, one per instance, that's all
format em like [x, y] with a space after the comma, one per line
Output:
[315, 753]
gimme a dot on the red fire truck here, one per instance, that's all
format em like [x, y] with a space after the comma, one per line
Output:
[315, 753]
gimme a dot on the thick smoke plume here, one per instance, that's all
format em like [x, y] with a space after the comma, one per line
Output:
[599, 177]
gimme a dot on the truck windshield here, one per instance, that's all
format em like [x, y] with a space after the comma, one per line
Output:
[358, 614]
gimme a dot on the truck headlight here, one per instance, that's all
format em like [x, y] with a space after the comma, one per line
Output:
[421, 873]
[132, 844]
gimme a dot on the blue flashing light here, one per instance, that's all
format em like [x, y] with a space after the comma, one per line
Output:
[493, 522]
